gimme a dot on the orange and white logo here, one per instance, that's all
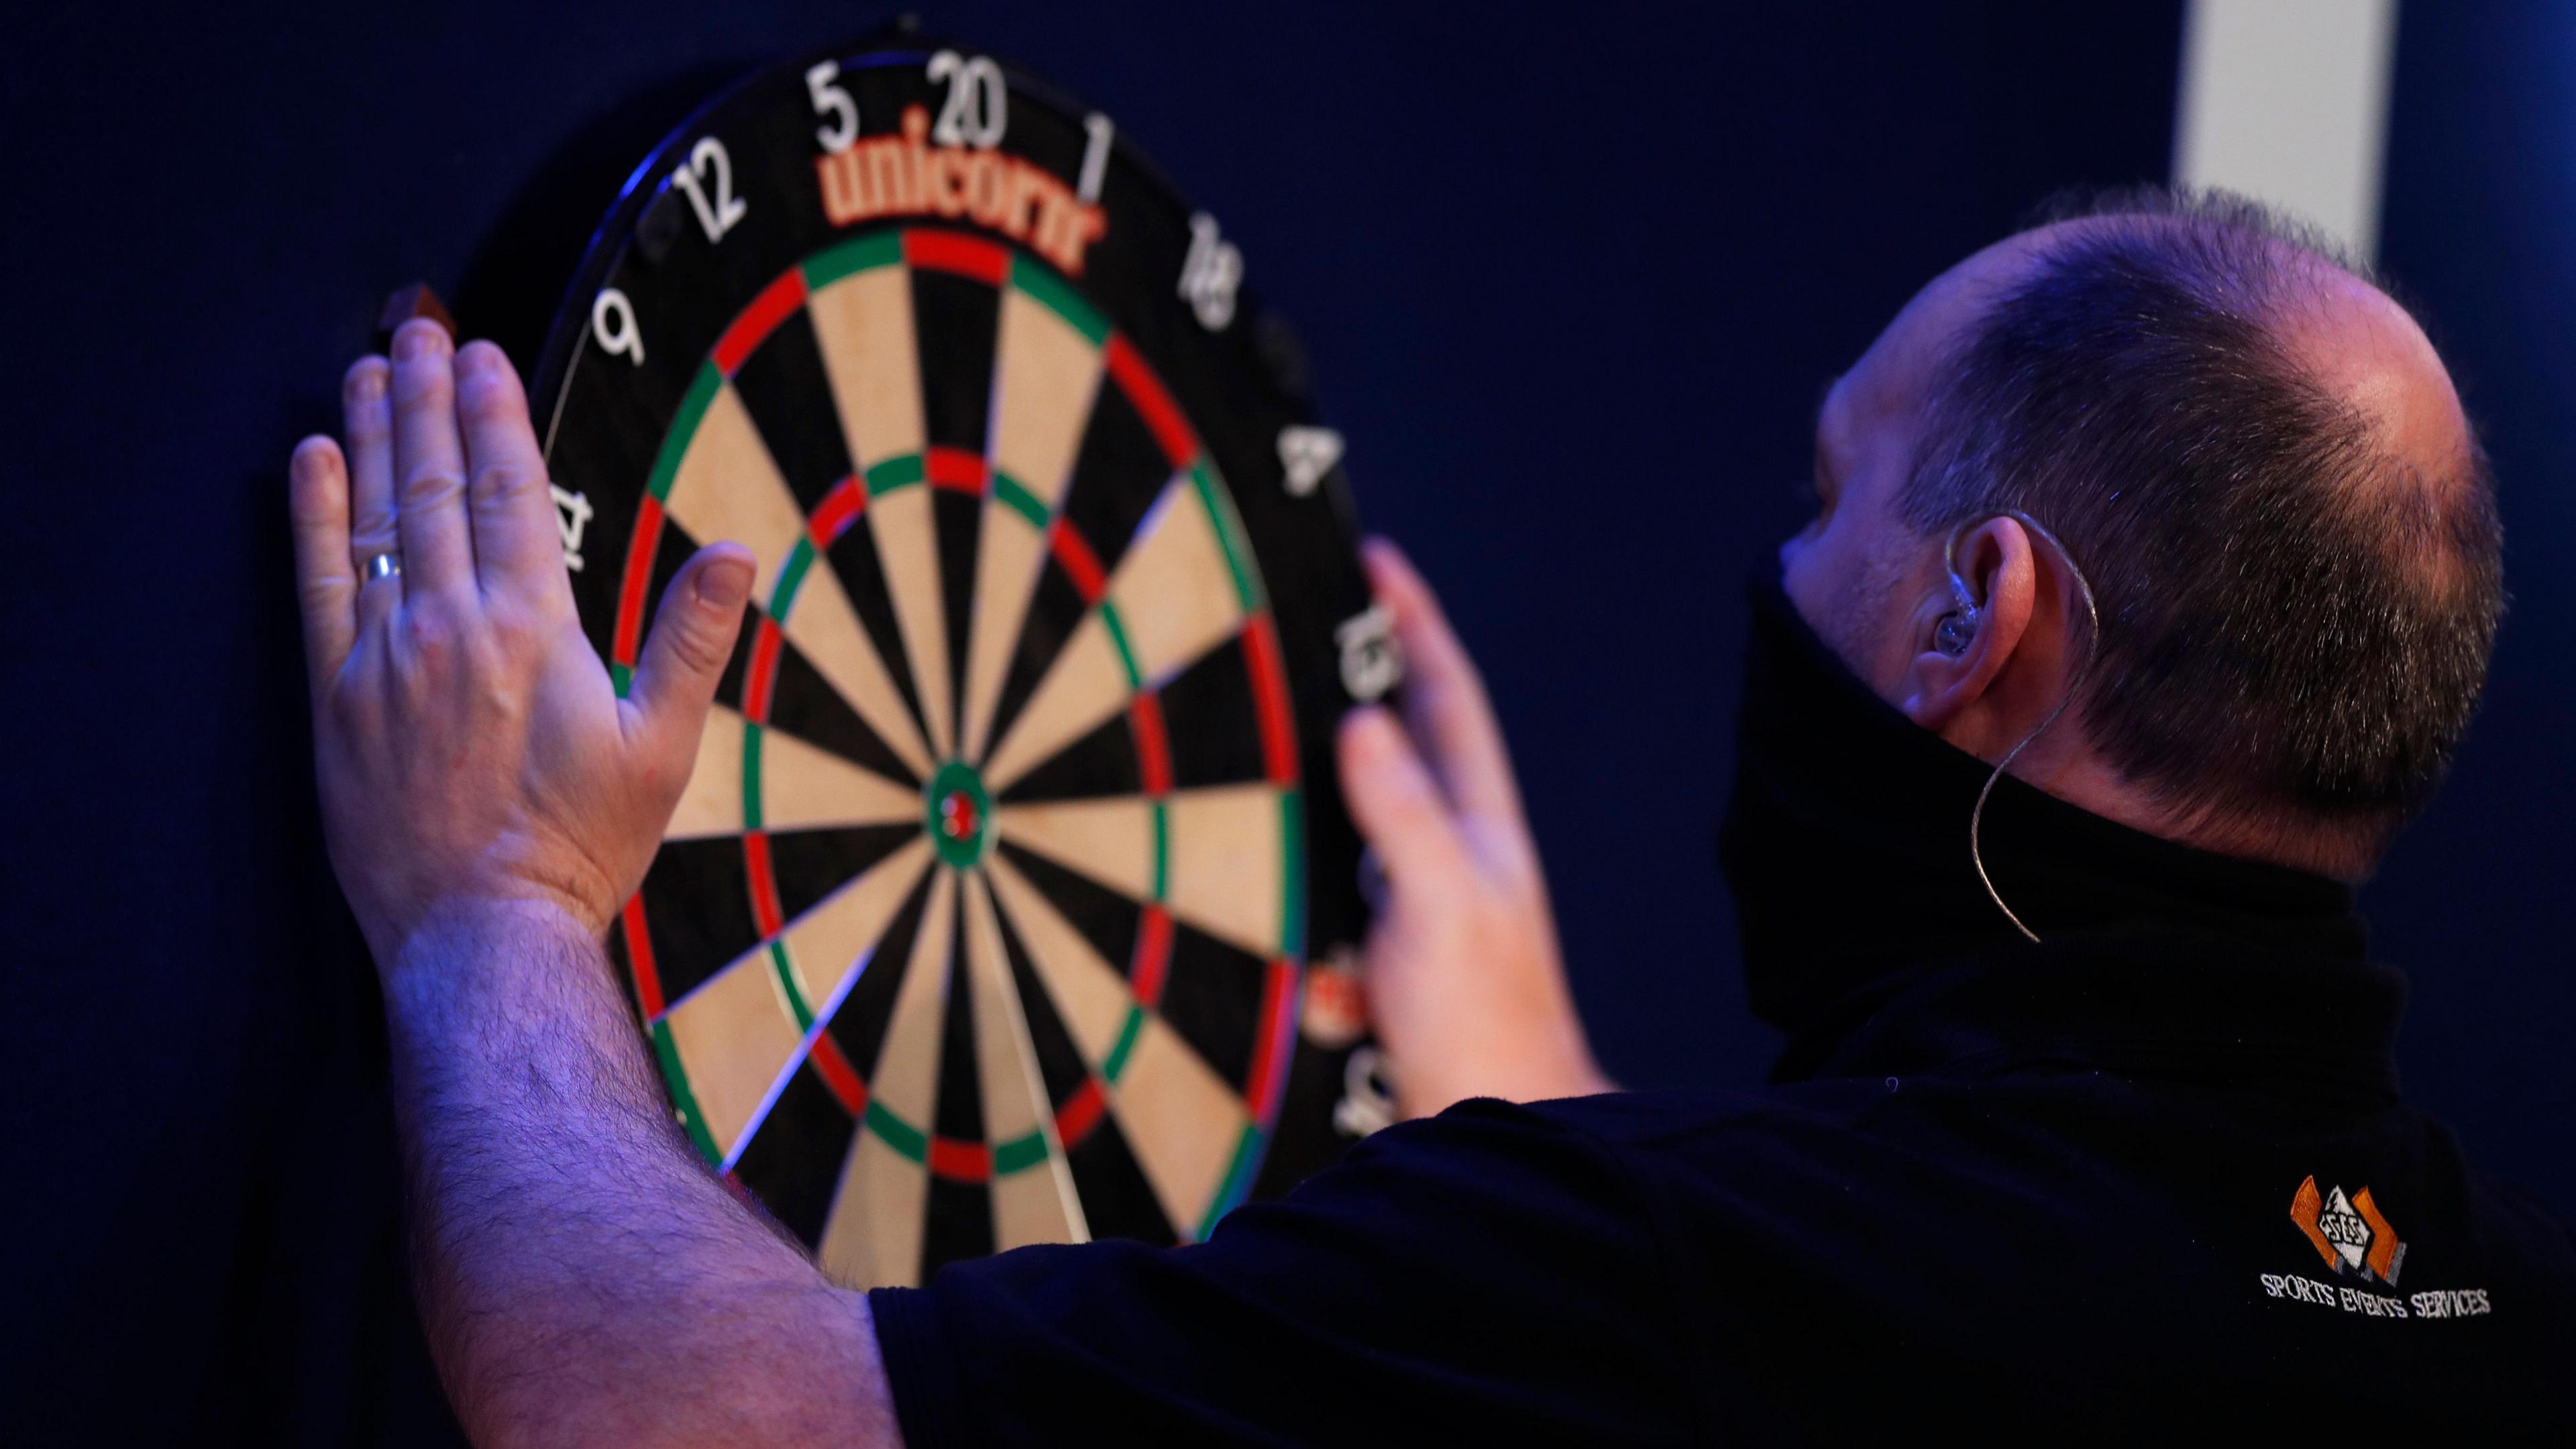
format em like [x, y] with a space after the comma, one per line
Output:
[921, 172]
[2350, 1233]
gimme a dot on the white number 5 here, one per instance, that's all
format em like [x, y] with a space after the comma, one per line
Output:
[833, 101]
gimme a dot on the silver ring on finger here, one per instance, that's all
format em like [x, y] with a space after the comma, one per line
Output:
[382, 566]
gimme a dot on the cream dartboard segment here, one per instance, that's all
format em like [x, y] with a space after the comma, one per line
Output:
[1012, 898]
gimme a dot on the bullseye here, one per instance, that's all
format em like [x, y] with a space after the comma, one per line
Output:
[957, 818]
[957, 811]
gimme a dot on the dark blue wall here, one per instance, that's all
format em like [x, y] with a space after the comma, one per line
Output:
[1570, 283]
[2477, 900]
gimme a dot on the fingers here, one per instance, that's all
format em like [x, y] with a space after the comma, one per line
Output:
[326, 581]
[367, 419]
[1443, 696]
[683, 657]
[429, 464]
[517, 547]
[1398, 807]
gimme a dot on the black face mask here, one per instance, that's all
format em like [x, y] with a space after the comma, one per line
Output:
[1846, 842]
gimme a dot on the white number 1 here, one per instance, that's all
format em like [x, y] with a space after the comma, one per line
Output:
[1095, 157]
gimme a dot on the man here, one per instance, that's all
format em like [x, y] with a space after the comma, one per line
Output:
[2151, 586]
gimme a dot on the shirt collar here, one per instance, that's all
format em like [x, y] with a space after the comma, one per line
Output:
[1847, 843]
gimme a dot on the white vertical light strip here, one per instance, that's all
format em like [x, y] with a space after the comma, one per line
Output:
[2287, 101]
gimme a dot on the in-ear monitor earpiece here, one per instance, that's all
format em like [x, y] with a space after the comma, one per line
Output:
[1959, 628]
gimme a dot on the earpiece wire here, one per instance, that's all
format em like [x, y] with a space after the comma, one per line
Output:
[2074, 681]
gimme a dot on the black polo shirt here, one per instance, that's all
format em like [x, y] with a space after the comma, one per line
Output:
[2047, 1187]
[2151, 1177]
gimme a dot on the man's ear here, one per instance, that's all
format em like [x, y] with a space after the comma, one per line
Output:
[1961, 651]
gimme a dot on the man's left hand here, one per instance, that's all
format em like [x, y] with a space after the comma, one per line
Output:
[1464, 981]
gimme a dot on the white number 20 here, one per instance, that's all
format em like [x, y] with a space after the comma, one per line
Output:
[709, 166]
[979, 101]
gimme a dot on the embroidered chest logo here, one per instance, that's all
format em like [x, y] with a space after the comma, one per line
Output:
[2350, 1233]
[2355, 1238]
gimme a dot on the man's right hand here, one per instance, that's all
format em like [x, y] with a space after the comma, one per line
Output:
[1463, 977]
[470, 749]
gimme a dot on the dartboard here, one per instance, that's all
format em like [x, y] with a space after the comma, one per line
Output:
[1011, 897]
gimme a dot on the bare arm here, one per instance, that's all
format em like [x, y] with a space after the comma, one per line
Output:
[583, 1278]
[489, 801]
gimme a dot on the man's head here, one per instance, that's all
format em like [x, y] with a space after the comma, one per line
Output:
[2256, 459]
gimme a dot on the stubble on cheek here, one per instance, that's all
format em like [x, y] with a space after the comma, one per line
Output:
[1854, 612]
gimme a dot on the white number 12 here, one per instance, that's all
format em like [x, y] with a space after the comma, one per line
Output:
[716, 215]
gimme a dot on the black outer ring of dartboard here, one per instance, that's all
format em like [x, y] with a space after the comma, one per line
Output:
[1328, 587]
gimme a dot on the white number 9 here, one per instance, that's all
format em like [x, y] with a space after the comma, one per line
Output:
[833, 101]
[612, 321]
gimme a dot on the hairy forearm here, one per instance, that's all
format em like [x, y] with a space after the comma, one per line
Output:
[582, 1275]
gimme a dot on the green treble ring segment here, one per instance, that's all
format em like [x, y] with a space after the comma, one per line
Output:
[958, 814]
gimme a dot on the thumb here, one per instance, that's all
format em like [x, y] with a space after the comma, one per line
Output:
[1398, 807]
[685, 655]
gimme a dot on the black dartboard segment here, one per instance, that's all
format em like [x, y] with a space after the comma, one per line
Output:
[1011, 898]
